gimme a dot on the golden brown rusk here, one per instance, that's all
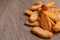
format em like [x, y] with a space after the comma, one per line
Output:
[45, 22]
[41, 32]
[56, 28]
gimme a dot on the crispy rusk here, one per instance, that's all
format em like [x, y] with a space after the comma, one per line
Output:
[34, 16]
[56, 28]
[38, 3]
[45, 22]
[55, 11]
[41, 32]
[51, 4]
[28, 12]
[32, 24]
[48, 6]
[52, 16]
[36, 6]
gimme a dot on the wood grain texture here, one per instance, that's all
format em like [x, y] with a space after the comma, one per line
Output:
[12, 20]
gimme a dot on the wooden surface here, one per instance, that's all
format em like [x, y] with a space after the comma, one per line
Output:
[12, 20]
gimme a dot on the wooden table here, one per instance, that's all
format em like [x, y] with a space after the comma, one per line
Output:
[12, 20]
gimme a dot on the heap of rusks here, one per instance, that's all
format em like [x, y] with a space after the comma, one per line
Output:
[44, 18]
